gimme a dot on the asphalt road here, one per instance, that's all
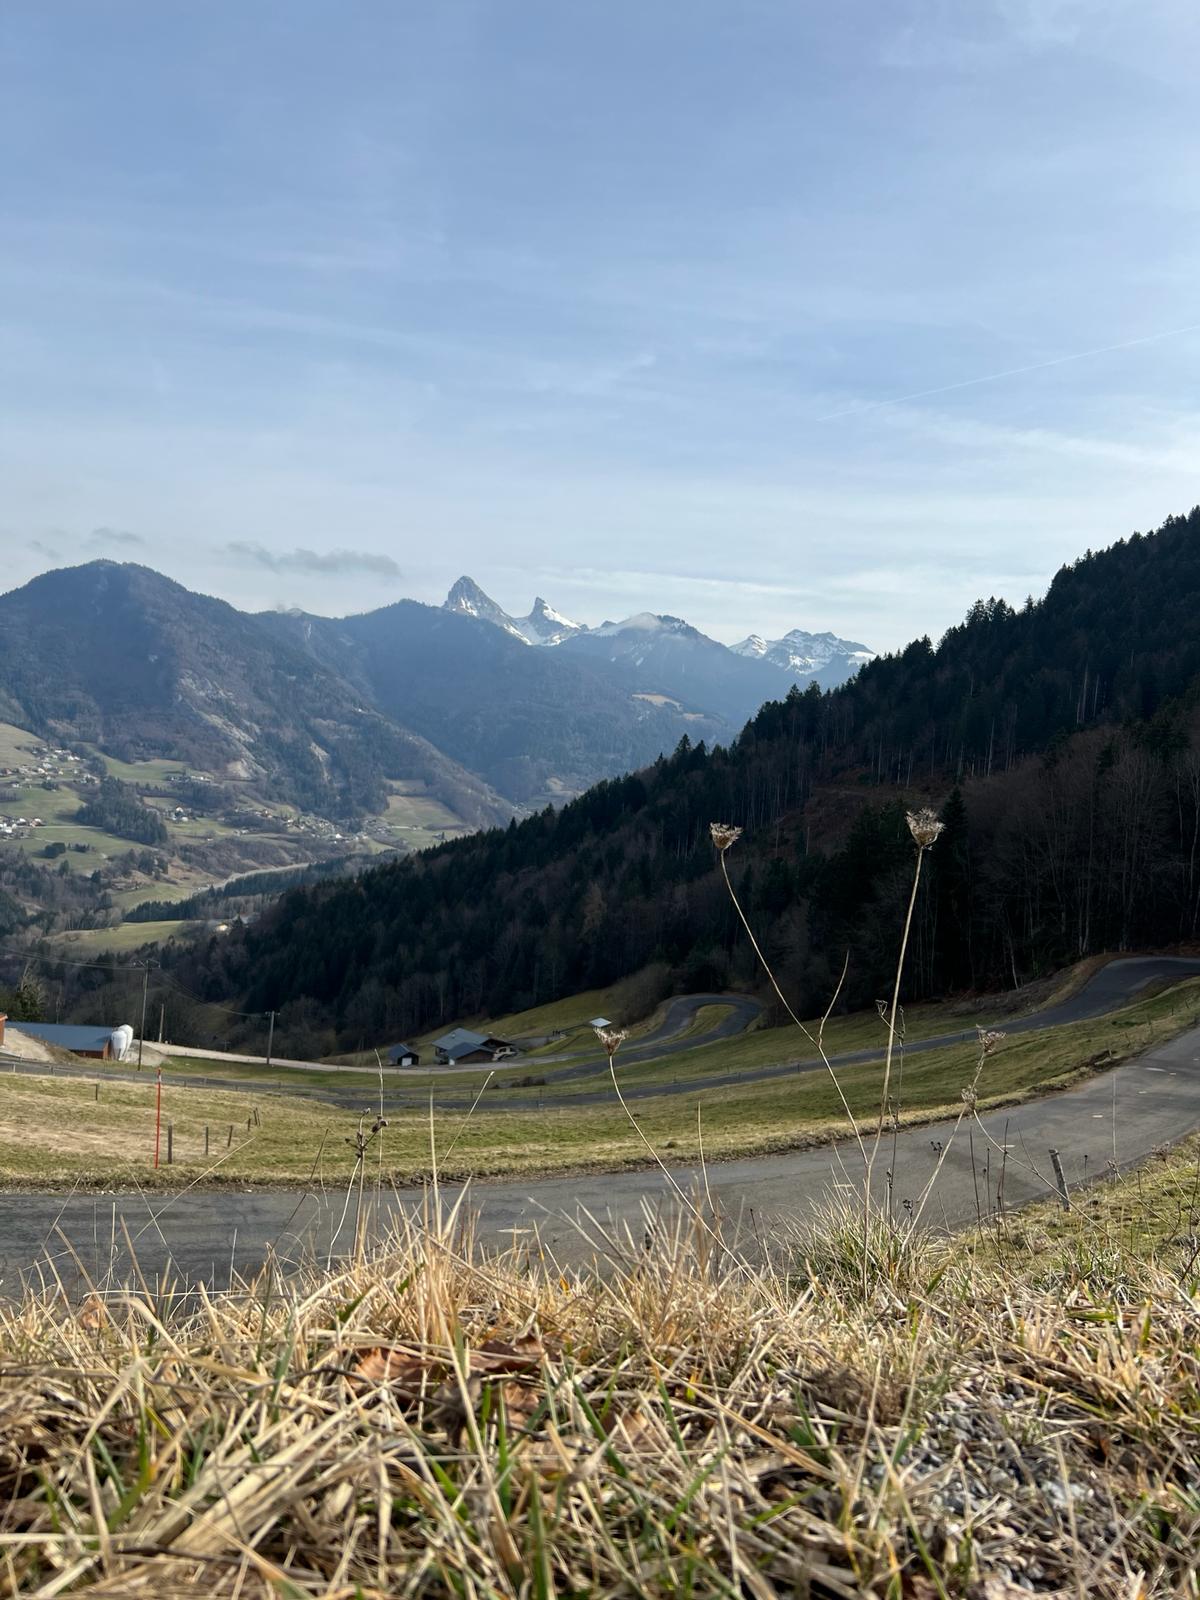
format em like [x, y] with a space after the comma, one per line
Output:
[1116, 1118]
[1114, 985]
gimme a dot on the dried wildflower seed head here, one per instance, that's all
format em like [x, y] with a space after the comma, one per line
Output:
[723, 835]
[989, 1039]
[610, 1038]
[970, 1095]
[924, 826]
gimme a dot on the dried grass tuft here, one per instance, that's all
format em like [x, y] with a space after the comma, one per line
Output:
[433, 1421]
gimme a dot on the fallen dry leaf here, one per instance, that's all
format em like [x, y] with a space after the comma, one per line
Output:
[405, 1369]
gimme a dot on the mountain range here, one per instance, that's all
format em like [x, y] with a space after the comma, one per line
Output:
[820, 656]
[494, 715]
[663, 658]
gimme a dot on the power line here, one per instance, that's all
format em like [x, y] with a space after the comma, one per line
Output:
[220, 1005]
[113, 967]
[63, 961]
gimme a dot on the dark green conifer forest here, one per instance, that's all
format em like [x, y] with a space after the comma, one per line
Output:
[1060, 742]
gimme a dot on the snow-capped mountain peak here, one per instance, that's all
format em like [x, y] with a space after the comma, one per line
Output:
[805, 654]
[544, 625]
[469, 600]
[645, 622]
[653, 641]
[754, 646]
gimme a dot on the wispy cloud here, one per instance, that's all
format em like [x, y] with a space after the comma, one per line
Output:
[41, 548]
[315, 563]
[110, 538]
[1011, 372]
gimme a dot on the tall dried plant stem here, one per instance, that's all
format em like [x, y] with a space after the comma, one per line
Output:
[662, 1166]
[818, 1042]
[887, 1062]
[891, 1044]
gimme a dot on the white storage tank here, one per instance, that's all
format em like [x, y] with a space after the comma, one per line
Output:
[122, 1038]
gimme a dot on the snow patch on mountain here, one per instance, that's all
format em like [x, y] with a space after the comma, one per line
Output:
[544, 625]
[799, 653]
[647, 622]
[802, 653]
[469, 600]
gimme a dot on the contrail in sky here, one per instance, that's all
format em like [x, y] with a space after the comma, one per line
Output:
[1012, 372]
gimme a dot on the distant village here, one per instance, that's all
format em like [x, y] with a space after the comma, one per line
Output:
[48, 768]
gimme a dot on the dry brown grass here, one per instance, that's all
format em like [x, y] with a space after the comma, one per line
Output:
[689, 1420]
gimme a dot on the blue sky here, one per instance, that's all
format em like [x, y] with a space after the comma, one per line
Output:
[691, 306]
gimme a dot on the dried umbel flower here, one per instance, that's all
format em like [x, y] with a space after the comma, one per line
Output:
[924, 826]
[611, 1039]
[989, 1039]
[723, 835]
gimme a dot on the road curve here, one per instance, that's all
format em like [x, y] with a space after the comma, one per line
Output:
[1116, 1118]
[1113, 986]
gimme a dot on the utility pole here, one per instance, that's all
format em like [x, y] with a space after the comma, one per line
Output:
[142, 1030]
[162, 1019]
[270, 1036]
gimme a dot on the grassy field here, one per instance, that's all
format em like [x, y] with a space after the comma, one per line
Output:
[418, 819]
[570, 1014]
[183, 883]
[99, 844]
[55, 1131]
[16, 745]
[569, 1017]
[126, 936]
[58, 1132]
[408, 1085]
[144, 774]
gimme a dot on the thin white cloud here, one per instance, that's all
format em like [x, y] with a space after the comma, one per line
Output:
[1010, 372]
[113, 539]
[316, 564]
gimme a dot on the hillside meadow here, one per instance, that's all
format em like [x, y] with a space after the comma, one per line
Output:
[98, 1131]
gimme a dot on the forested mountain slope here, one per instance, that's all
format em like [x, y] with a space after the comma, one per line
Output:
[530, 722]
[1061, 742]
[116, 656]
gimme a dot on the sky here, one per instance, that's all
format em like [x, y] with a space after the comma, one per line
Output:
[763, 314]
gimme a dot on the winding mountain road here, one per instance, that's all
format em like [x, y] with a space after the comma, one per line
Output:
[672, 1034]
[1114, 1119]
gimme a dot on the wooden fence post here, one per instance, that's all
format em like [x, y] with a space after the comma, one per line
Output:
[1060, 1178]
[206, 1141]
[229, 1141]
[170, 1143]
